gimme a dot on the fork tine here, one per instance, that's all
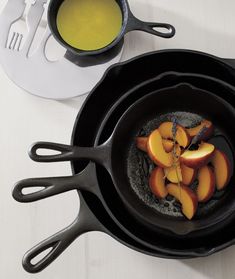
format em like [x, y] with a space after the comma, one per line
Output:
[16, 39]
[19, 43]
[12, 39]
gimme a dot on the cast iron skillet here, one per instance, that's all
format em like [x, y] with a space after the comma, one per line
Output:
[167, 60]
[120, 157]
[32, 253]
[86, 221]
[200, 82]
[67, 188]
[138, 70]
[129, 23]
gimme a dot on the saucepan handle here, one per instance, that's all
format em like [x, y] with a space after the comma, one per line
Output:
[85, 222]
[51, 186]
[150, 27]
[98, 154]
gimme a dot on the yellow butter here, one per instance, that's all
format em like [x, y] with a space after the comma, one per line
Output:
[89, 24]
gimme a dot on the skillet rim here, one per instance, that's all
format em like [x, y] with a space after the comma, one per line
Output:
[114, 67]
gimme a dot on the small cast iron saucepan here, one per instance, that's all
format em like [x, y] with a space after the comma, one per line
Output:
[117, 154]
[129, 23]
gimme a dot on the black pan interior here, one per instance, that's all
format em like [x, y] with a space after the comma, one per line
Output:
[118, 209]
[121, 78]
[117, 83]
[188, 105]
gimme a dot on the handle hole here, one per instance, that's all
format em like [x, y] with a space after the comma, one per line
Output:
[47, 152]
[163, 30]
[41, 256]
[31, 190]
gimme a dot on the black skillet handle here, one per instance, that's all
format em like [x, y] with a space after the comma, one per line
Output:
[149, 27]
[49, 186]
[85, 222]
[52, 186]
[98, 154]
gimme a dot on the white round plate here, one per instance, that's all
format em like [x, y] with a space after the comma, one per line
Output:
[34, 61]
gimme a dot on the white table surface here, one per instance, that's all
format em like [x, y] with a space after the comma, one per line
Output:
[203, 25]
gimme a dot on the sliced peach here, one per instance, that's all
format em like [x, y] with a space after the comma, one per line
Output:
[188, 174]
[205, 123]
[178, 151]
[198, 158]
[186, 197]
[157, 152]
[141, 143]
[184, 174]
[157, 183]
[206, 184]
[168, 145]
[182, 136]
[222, 169]
[173, 174]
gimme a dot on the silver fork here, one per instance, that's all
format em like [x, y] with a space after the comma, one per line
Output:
[15, 41]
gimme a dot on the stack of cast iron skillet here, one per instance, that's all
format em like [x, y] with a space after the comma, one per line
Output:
[129, 95]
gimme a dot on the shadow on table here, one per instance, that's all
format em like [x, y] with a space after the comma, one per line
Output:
[217, 266]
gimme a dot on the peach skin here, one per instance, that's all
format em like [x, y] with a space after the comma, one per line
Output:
[141, 143]
[197, 158]
[182, 137]
[186, 197]
[222, 169]
[157, 183]
[205, 123]
[206, 184]
[157, 152]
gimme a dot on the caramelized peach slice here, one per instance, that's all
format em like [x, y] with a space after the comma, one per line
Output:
[186, 197]
[168, 145]
[205, 123]
[157, 183]
[197, 158]
[157, 152]
[178, 151]
[141, 143]
[173, 174]
[182, 136]
[184, 174]
[222, 169]
[206, 184]
[188, 174]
